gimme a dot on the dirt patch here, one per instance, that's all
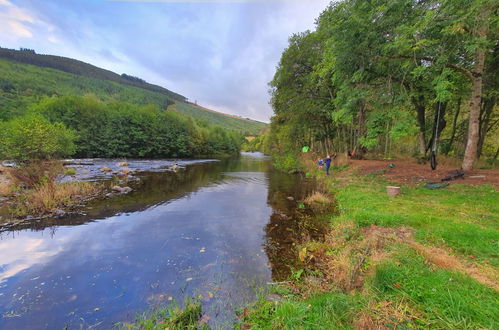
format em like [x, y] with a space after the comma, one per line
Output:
[408, 171]
[443, 259]
[438, 256]
[349, 256]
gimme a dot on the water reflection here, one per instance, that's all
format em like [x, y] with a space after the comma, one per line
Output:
[203, 231]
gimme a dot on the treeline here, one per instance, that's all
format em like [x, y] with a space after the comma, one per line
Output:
[390, 76]
[22, 85]
[84, 126]
[29, 56]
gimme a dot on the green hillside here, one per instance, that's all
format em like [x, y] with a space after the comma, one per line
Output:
[22, 85]
[29, 56]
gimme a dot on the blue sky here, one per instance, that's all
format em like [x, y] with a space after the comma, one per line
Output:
[219, 53]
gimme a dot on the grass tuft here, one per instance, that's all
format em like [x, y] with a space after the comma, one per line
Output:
[49, 196]
[171, 317]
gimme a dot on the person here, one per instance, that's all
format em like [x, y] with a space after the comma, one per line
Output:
[327, 161]
[320, 162]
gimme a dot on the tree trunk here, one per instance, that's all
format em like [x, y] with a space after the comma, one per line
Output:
[420, 109]
[488, 106]
[360, 151]
[470, 153]
[454, 126]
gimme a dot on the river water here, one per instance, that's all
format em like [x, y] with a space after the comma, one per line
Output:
[215, 230]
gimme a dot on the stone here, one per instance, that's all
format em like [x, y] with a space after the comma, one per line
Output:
[105, 169]
[59, 213]
[273, 297]
[122, 190]
[126, 190]
[123, 164]
[290, 198]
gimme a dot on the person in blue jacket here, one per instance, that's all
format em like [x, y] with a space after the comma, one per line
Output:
[320, 162]
[327, 161]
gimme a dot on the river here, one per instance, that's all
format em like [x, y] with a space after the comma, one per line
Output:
[217, 230]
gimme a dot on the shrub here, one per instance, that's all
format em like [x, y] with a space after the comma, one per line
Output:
[32, 137]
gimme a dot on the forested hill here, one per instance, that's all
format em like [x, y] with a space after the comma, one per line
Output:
[27, 77]
[29, 56]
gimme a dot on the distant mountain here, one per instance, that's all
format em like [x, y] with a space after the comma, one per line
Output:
[25, 77]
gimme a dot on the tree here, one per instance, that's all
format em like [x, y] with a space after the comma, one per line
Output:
[32, 137]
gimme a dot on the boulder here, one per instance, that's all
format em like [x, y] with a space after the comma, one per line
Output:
[105, 169]
[122, 190]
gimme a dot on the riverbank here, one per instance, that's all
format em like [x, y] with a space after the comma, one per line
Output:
[422, 259]
[60, 188]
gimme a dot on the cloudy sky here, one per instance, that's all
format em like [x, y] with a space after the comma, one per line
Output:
[219, 53]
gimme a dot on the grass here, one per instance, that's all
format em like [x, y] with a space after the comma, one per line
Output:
[445, 299]
[46, 197]
[6, 181]
[423, 259]
[171, 317]
[460, 217]
[70, 171]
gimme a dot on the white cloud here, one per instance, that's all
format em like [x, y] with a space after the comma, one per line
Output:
[19, 23]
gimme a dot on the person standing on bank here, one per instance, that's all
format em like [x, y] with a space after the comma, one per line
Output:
[327, 161]
[320, 162]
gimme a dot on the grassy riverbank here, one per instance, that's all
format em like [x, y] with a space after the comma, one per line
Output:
[32, 190]
[425, 258]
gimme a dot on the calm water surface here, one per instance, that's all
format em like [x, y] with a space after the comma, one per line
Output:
[215, 230]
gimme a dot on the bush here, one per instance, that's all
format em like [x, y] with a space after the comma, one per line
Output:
[32, 137]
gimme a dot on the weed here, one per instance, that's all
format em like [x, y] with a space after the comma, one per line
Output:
[32, 173]
[70, 171]
[171, 317]
[48, 196]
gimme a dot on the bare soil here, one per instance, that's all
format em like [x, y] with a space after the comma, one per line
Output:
[408, 171]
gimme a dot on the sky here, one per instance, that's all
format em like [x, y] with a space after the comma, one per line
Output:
[221, 53]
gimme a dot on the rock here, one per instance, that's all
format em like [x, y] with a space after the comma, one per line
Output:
[273, 297]
[126, 190]
[9, 163]
[122, 190]
[203, 320]
[105, 169]
[123, 164]
[290, 198]
[126, 171]
[109, 195]
[59, 213]
[313, 279]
